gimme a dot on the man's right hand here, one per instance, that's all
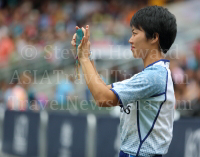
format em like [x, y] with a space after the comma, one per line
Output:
[87, 32]
[73, 42]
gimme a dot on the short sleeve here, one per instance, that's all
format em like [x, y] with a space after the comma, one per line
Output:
[144, 85]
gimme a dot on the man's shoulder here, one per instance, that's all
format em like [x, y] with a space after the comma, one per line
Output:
[151, 72]
[155, 69]
[152, 76]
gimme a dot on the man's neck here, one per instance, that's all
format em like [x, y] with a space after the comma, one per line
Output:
[152, 57]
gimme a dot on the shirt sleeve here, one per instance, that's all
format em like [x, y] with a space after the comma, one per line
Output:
[143, 85]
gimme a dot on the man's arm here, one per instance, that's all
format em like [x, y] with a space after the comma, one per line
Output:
[103, 96]
[109, 86]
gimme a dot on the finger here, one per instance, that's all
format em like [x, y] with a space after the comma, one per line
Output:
[74, 37]
[87, 32]
[73, 43]
[83, 41]
[77, 27]
[83, 29]
[81, 44]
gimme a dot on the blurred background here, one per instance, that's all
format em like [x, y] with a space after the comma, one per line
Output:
[45, 111]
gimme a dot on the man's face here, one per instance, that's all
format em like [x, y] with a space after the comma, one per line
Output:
[139, 43]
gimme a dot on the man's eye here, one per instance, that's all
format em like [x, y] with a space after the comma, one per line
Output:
[134, 33]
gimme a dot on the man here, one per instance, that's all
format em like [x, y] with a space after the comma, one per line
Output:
[147, 98]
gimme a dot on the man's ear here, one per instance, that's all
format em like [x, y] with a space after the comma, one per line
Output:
[155, 38]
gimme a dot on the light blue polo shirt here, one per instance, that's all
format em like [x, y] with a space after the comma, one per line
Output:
[147, 111]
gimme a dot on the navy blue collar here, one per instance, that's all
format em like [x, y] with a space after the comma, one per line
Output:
[164, 60]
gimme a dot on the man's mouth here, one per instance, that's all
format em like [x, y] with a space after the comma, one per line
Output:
[132, 47]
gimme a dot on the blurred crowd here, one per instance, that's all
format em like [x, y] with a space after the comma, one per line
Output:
[186, 77]
[19, 94]
[48, 26]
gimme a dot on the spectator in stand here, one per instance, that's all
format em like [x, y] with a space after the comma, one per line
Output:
[65, 91]
[6, 46]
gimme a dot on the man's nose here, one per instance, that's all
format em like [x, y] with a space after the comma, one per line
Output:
[130, 41]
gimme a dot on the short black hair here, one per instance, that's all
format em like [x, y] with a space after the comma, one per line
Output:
[156, 19]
